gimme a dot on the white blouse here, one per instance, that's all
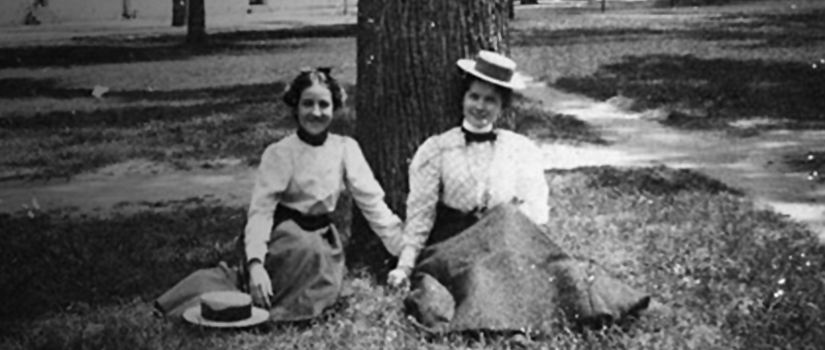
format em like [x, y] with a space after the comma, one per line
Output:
[467, 176]
[310, 179]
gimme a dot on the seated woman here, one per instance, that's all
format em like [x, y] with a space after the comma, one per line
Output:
[477, 198]
[293, 261]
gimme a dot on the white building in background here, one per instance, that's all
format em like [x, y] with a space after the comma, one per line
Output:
[22, 12]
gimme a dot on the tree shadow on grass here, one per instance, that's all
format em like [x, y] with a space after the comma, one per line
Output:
[176, 127]
[723, 88]
[659, 180]
[117, 49]
[58, 261]
[62, 259]
[167, 106]
[795, 30]
[787, 30]
[30, 88]
[539, 37]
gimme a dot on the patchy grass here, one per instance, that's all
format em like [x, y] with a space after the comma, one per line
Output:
[183, 127]
[811, 162]
[177, 128]
[531, 119]
[730, 276]
[97, 50]
[539, 123]
[705, 66]
[166, 101]
[173, 103]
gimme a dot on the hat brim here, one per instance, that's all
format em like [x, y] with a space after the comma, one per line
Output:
[193, 315]
[516, 82]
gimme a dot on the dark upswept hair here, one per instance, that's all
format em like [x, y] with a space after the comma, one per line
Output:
[505, 93]
[307, 78]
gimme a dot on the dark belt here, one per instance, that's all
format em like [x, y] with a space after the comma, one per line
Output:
[304, 221]
[450, 222]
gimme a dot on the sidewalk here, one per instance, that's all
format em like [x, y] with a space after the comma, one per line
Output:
[751, 164]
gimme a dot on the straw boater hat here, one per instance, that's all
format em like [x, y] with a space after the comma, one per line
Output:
[494, 68]
[225, 310]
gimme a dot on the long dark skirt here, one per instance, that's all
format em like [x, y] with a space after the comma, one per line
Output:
[306, 269]
[503, 273]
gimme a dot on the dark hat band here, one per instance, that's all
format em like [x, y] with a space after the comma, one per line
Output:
[230, 314]
[493, 71]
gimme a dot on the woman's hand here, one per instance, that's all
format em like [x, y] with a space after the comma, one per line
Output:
[260, 287]
[399, 278]
[401, 275]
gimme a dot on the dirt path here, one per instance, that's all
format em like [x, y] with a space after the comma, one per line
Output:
[130, 185]
[753, 164]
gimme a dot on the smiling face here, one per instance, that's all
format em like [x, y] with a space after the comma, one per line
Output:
[315, 109]
[482, 104]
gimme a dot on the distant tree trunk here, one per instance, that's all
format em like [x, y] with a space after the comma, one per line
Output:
[128, 13]
[408, 86]
[196, 25]
[179, 10]
[511, 7]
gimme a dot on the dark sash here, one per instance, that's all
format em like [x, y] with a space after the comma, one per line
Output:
[449, 222]
[306, 222]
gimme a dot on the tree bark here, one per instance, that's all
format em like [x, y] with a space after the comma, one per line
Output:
[196, 24]
[409, 87]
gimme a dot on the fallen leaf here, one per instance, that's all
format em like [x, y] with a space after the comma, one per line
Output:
[99, 90]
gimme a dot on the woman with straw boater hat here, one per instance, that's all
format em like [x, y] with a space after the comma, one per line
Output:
[293, 259]
[473, 243]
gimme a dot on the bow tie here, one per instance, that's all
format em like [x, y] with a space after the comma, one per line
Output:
[471, 137]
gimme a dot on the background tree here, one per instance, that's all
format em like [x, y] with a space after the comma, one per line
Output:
[196, 23]
[408, 86]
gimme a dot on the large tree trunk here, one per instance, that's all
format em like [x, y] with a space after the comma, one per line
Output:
[196, 24]
[408, 86]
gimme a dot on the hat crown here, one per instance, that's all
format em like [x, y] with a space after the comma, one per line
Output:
[497, 60]
[226, 306]
[493, 68]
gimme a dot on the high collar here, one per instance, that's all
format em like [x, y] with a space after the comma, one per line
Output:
[472, 135]
[310, 139]
[465, 125]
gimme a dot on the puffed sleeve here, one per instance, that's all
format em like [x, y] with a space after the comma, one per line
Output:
[369, 196]
[424, 191]
[271, 181]
[532, 186]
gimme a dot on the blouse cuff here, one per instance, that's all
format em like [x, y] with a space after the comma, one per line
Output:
[392, 237]
[408, 256]
[255, 251]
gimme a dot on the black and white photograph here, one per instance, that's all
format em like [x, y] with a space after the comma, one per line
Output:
[412, 174]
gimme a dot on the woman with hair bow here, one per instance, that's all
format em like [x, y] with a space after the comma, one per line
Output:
[293, 261]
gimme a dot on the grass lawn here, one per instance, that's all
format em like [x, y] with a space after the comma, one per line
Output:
[167, 102]
[706, 66]
[730, 276]
[733, 277]
[172, 103]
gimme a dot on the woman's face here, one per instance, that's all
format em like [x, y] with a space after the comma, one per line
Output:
[482, 104]
[315, 109]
